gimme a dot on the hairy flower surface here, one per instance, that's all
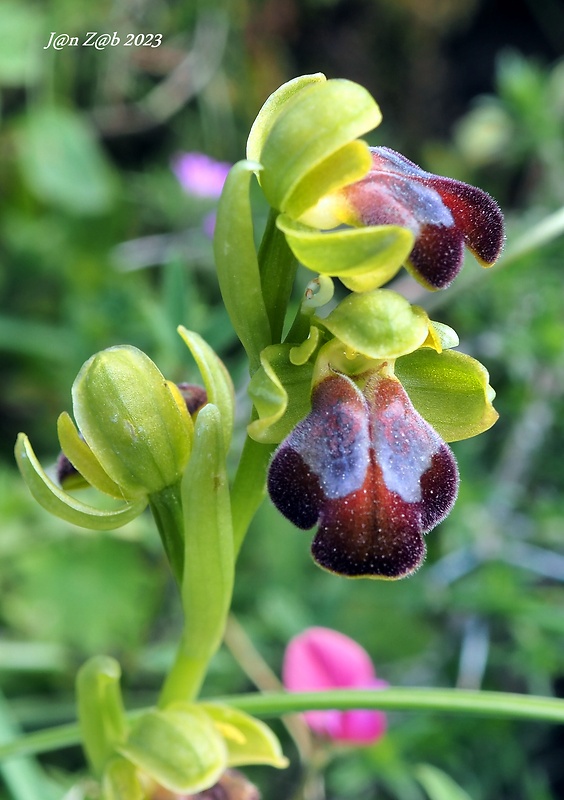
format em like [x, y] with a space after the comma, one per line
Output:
[370, 471]
[320, 659]
[442, 213]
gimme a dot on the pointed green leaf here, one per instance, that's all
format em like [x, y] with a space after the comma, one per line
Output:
[179, 747]
[378, 324]
[438, 785]
[363, 258]
[308, 130]
[208, 535]
[83, 459]
[121, 781]
[100, 709]
[237, 262]
[76, 176]
[217, 380]
[63, 505]
[248, 740]
[272, 107]
[450, 390]
[281, 392]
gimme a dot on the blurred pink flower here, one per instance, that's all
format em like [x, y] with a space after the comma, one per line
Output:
[321, 659]
[200, 175]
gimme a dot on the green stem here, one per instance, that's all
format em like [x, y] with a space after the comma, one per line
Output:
[166, 507]
[278, 267]
[502, 705]
[249, 487]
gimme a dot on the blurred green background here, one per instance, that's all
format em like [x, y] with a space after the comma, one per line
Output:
[99, 245]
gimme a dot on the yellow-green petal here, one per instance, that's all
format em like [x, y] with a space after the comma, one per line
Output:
[248, 740]
[83, 459]
[379, 324]
[450, 390]
[272, 107]
[179, 747]
[63, 505]
[363, 258]
[269, 390]
[317, 122]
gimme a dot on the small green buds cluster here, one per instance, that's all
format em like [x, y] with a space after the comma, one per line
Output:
[182, 747]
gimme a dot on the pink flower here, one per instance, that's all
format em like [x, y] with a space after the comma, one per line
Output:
[320, 659]
[200, 175]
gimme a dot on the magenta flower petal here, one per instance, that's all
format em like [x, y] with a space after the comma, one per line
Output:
[370, 471]
[200, 175]
[322, 659]
[444, 215]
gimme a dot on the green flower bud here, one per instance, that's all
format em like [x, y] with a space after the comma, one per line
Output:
[132, 421]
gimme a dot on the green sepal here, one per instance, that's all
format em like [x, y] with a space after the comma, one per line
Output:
[270, 388]
[307, 132]
[179, 747]
[63, 505]
[83, 459]
[237, 262]
[121, 781]
[450, 390]
[248, 740]
[363, 258]
[101, 715]
[272, 108]
[217, 380]
[127, 413]
[379, 324]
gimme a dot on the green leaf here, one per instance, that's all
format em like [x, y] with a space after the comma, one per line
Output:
[100, 709]
[63, 163]
[217, 380]
[237, 263]
[363, 258]
[248, 740]
[209, 559]
[450, 390]
[63, 505]
[439, 785]
[378, 324]
[179, 747]
[272, 107]
[281, 393]
[307, 131]
[20, 46]
[83, 459]
[121, 781]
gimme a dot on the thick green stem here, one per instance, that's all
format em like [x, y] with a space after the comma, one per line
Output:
[502, 705]
[166, 507]
[249, 487]
[278, 267]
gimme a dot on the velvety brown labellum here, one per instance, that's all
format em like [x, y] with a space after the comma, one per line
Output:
[444, 215]
[370, 471]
